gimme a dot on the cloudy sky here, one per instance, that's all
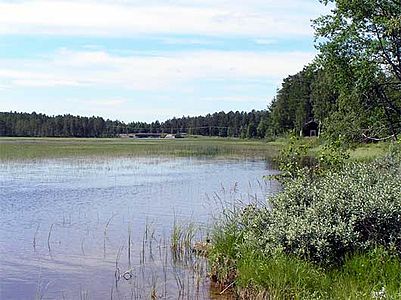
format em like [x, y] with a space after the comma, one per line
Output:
[137, 60]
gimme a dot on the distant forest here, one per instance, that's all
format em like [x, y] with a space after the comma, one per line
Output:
[232, 124]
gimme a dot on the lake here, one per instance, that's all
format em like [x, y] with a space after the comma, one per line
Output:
[101, 228]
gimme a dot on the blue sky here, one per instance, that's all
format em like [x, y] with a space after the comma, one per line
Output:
[138, 60]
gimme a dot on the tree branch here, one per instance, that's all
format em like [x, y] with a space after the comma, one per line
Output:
[386, 55]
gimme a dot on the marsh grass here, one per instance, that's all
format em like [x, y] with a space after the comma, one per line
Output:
[40, 148]
[182, 241]
[105, 234]
[49, 237]
[368, 152]
[35, 237]
[37, 148]
[167, 267]
[372, 275]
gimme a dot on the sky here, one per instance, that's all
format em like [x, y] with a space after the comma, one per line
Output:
[137, 60]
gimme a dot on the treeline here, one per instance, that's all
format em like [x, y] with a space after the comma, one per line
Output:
[353, 88]
[349, 112]
[252, 124]
[41, 125]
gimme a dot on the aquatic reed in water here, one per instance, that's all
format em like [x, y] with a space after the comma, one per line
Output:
[31, 148]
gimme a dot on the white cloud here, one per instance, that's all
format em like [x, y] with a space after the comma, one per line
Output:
[172, 71]
[185, 41]
[45, 82]
[34, 78]
[133, 109]
[124, 18]
[231, 99]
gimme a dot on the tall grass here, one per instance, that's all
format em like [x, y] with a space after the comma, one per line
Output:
[34, 148]
[372, 275]
[163, 262]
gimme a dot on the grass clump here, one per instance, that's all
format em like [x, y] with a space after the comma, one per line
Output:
[375, 274]
[335, 235]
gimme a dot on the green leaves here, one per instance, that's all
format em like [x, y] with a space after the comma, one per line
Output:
[360, 46]
[324, 218]
[292, 159]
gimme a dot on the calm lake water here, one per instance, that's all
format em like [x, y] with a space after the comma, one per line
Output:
[100, 228]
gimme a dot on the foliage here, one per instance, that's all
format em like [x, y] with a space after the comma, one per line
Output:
[332, 156]
[324, 95]
[292, 106]
[367, 30]
[360, 46]
[395, 149]
[296, 160]
[323, 219]
[353, 87]
[332, 236]
[40, 125]
[292, 158]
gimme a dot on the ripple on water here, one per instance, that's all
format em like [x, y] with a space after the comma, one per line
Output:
[65, 222]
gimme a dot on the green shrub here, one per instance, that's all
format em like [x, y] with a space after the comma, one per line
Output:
[332, 236]
[293, 158]
[324, 218]
[332, 156]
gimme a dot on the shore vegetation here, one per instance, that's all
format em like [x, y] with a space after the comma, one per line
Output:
[332, 233]
[196, 146]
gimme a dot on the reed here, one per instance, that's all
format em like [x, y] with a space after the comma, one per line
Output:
[106, 226]
[35, 148]
[48, 237]
[82, 246]
[164, 260]
[129, 246]
[34, 237]
[84, 295]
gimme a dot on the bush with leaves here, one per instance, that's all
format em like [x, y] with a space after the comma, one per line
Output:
[293, 159]
[332, 156]
[324, 218]
[333, 235]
